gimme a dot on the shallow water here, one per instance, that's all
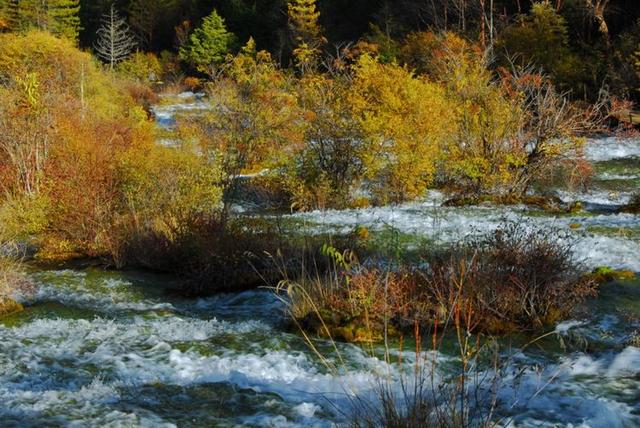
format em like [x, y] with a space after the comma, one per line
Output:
[98, 348]
[601, 235]
[101, 348]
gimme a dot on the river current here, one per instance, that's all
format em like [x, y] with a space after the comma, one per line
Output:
[104, 348]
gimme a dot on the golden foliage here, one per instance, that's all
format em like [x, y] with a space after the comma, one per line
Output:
[403, 119]
[254, 119]
[81, 171]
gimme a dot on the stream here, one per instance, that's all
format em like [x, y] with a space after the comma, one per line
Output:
[104, 348]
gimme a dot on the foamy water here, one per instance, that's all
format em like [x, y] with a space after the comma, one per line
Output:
[197, 363]
[603, 149]
[99, 348]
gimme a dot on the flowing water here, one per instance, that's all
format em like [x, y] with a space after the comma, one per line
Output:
[103, 348]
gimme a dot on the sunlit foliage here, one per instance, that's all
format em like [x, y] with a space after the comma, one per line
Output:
[81, 172]
[397, 112]
[331, 166]
[254, 119]
[208, 44]
[303, 20]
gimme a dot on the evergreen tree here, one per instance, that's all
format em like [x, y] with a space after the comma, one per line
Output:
[541, 37]
[31, 14]
[8, 14]
[64, 18]
[303, 18]
[60, 17]
[208, 44]
[115, 40]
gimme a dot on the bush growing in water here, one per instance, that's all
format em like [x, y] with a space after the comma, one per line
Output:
[634, 204]
[512, 280]
[11, 281]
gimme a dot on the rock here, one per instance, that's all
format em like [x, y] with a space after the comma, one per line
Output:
[633, 207]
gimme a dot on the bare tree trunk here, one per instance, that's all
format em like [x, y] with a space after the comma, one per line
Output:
[483, 31]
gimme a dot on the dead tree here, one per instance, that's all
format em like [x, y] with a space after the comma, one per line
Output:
[115, 40]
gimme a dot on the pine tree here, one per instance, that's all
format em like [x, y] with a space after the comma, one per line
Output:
[31, 14]
[208, 44]
[60, 17]
[64, 18]
[303, 18]
[8, 15]
[115, 40]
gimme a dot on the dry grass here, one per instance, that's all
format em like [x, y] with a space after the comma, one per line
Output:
[12, 281]
[513, 280]
[450, 374]
[414, 390]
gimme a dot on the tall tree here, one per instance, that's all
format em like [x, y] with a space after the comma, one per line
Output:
[65, 18]
[60, 17]
[307, 32]
[115, 40]
[541, 37]
[8, 14]
[303, 18]
[208, 44]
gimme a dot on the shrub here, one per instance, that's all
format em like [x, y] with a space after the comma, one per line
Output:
[634, 205]
[368, 128]
[82, 173]
[193, 83]
[254, 120]
[23, 217]
[331, 164]
[397, 113]
[142, 94]
[12, 281]
[511, 280]
[142, 67]
[164, 192]
[514, 279]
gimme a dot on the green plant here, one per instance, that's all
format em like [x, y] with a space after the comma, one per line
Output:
[141, 67]
[208, 44]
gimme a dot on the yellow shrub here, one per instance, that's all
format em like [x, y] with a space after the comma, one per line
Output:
[142, 67]
[405, 119]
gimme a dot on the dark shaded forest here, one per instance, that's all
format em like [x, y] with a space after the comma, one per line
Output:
[600, 37]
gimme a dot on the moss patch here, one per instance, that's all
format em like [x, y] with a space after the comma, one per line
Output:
[605, 274]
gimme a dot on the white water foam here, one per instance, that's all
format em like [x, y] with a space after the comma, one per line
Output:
[604, 149]
[447, 225]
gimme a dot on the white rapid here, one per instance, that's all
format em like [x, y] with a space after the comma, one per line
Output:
[101, 348]
[603, 236]
[98, 348]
